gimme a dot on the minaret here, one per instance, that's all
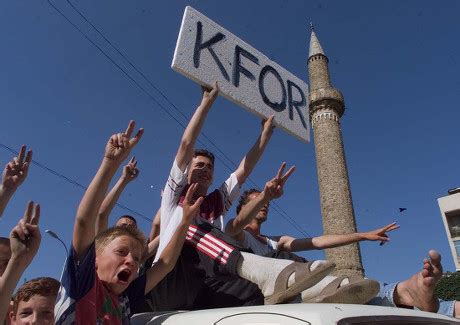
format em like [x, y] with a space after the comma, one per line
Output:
[326, 108]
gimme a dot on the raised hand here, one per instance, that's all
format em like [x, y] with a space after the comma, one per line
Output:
[274, 188]
[120, 145]
[190, 206]
[16, 170]
[209, 94]
[25, 237]
[380, 234]
[130, 171]
[267, 125]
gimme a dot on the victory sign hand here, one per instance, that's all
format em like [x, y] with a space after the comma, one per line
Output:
[130, 171]
[120, 145]
[275, 187]
[25, 237]
[16, 170]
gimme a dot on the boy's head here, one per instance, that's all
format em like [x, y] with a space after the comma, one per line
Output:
[34, 302]
[126, 220]
[119, 252]
[201, 169]
[246, 197]
[5, 254]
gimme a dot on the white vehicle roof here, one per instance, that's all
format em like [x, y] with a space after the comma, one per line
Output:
[293, 314]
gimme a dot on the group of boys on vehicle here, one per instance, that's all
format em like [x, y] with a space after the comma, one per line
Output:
[111, 273]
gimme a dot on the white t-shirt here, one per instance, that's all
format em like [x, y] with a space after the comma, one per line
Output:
[213, 209]
[258, 247]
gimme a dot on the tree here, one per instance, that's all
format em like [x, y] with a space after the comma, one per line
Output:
[448, 288]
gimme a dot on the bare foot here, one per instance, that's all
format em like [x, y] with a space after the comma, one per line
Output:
[418, 290]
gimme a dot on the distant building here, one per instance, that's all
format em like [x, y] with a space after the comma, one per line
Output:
[450, 212]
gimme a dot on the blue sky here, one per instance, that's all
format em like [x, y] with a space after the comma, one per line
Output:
[395, 62]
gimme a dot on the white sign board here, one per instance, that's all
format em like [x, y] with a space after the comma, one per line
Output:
[206, 52]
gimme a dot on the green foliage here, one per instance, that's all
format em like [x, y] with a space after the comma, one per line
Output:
[448, 287]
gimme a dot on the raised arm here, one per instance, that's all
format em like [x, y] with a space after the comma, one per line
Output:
[13, 176]
[155, 231]
[291, 244]
[249, 161]
[187, 145]
[171, 253]
[130, 172]
[116, 151]
[273, 189]
[24, 240]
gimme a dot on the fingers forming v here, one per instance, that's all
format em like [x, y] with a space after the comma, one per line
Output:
[35, 215]
[29, 157]
[29, 212]
[137, 137]
[130, 128]
[21, 155]
[280, 171]
[286, 176]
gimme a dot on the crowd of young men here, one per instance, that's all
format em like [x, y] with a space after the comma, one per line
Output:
[192, 259]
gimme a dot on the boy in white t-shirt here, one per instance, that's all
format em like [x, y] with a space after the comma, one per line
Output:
[208, 252]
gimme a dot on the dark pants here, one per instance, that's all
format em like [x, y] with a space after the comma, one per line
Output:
[236, 292]
[207, 254]
[205, 275]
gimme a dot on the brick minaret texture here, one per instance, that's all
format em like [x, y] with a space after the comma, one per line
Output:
[326, 108]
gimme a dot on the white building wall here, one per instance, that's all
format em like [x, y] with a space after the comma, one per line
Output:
[450, 212]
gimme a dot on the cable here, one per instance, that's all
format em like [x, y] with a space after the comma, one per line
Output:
[71, 181]
[144, 76]
[277, 208]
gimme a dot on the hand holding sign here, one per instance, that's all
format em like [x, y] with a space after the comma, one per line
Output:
[209, 95]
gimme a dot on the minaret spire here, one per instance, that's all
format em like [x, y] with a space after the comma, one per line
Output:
[326, 109]
[315, 46]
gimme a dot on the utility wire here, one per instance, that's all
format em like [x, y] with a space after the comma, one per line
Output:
[276, 207]
[73, 182]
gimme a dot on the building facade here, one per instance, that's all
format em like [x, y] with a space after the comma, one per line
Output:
[450, 213]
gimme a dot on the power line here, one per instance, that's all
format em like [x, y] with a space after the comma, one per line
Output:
[145, 77]
[277, 208]
[73, 182]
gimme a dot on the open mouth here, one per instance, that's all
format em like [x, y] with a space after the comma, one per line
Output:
[124, 275]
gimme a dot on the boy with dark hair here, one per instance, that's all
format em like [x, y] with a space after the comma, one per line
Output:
[209, 253]
[204, 153]
[126, 220]
[417, 291]
[99, 282]
[34, 302]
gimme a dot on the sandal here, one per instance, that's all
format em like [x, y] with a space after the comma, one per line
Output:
[357, 291]
[304, 279]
